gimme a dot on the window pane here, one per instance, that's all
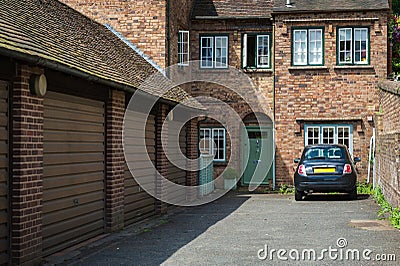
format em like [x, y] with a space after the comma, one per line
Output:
[312, 135]
[206, 52]
[300, 47]
[360, 46]
[328, 135]
[263, 51]
[183, 48]
[345, 45]
[315, 47]
[221, 53]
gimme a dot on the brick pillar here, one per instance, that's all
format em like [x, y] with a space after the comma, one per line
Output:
[115, 162]
[27, 171]
[161, 160]
[192, 153]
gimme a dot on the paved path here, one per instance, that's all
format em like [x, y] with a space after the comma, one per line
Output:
[236, 229]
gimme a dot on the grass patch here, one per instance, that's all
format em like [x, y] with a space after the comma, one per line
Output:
[365, 189]
[285, 189]
[387, 211]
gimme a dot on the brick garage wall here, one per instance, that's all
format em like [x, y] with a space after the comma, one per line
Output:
[141, 22]
[387, 158]
[326, 93]
[27, 170]
[262, 79]
[115, 161]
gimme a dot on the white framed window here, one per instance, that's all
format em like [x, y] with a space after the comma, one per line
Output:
[307, 47]
[312, 135]
[256, 51]
[353, 47]
[183, 48]
[213, 141]
[329, 134]
[214, 51]
[343, 135]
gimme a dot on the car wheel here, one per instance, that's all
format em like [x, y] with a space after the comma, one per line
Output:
[298, 195]
[353, 194]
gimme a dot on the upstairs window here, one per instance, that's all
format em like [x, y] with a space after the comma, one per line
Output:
[214, 51]
[183, 48]
[256, 51]
[353, 46]
[307, 47]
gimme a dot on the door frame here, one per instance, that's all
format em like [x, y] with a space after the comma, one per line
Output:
[258, 129]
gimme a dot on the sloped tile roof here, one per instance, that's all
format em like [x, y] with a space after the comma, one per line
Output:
[330, 5]
[232, 8]
[50, 30]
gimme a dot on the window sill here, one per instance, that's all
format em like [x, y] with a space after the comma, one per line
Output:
[353, 67]
[257, 70]
[308, 68]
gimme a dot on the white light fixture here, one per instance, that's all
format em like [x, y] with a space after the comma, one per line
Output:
[38, 85]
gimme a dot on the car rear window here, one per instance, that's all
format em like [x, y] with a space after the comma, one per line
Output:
[323, 153]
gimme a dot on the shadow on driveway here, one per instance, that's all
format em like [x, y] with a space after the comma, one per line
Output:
[153, 247]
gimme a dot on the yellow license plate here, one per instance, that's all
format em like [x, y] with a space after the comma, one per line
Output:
[324, 170]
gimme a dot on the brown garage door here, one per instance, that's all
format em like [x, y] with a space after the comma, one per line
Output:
[174, 173]
[4, 233]
[139, 204]
[73, 181]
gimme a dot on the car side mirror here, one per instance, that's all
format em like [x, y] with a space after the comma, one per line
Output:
[297, 160]
[357, 159]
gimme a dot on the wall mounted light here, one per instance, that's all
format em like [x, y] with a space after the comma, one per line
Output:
[38, 85]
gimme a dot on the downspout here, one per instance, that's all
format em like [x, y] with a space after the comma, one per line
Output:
[371, 155]
[168, 35]
[273, 103]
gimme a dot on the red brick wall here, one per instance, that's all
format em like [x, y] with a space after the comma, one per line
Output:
[263, 79]
[329, 92]
[115, 161]
[387, 160]
[27, 170]
[141, 22]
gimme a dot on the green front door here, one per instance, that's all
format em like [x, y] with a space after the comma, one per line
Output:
[259, 150]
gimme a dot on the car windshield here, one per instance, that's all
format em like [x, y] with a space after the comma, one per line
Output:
[323, 153]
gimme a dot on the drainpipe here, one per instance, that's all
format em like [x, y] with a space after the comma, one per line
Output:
[168, 34]
[274, 113]
[371, 155]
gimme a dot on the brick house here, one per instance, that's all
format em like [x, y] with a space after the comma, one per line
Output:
[329, 57]
[63, 94]
[318, 65]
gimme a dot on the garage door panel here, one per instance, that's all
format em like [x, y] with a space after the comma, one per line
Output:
[55, 99]
[63, 192]
[74, 170]
[71, 126]
[52, 159]
[139, 204]
[67, 136]
[92, 217]
[75, 116]
[70, 202]
[4, 173]
[60, 181]
[64, 215]
[68, 169]
[72, 237]
[63, 147]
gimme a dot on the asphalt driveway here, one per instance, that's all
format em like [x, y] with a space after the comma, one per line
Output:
[256, 229]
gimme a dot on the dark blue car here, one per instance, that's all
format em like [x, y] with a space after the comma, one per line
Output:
[325, 168]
